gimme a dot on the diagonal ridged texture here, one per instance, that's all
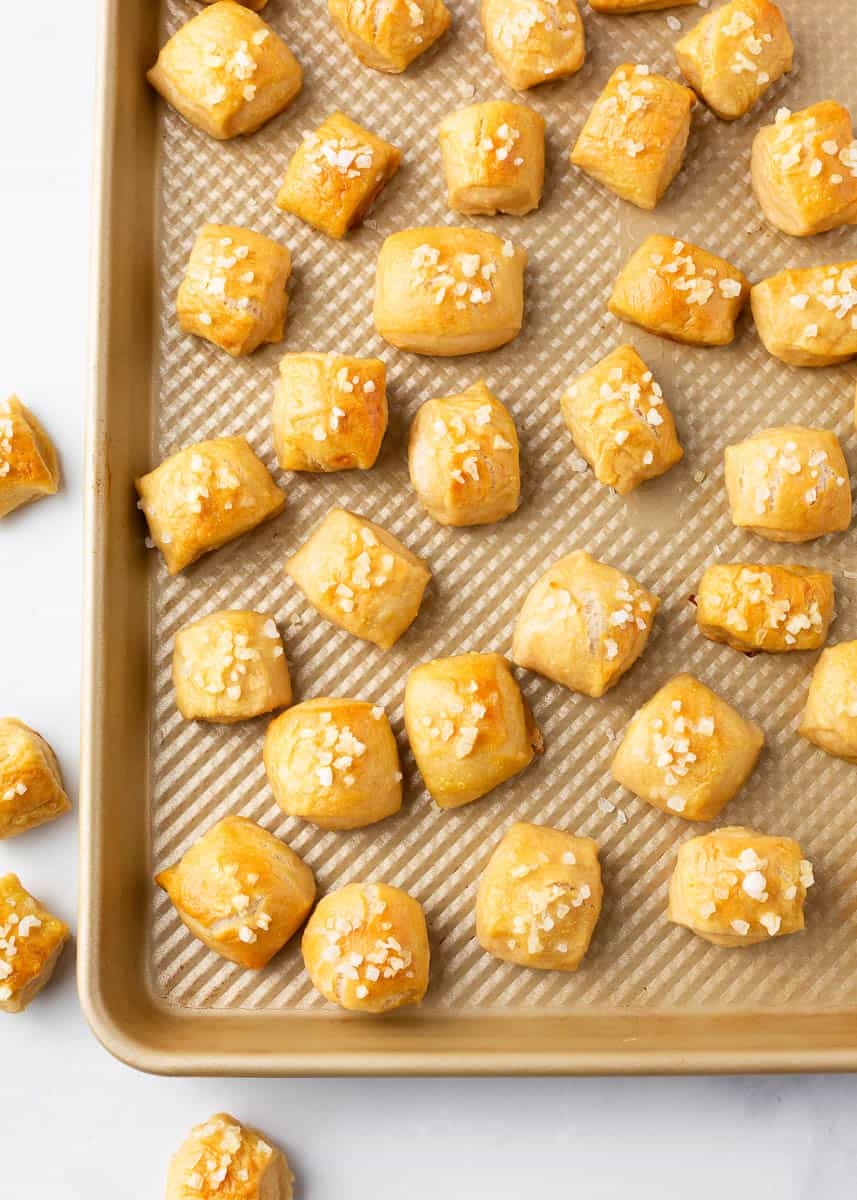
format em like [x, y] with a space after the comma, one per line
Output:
[663, 534]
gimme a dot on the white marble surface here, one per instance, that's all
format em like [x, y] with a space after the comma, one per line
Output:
[74, 1123]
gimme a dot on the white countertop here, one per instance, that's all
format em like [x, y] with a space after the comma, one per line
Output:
[73, 1122]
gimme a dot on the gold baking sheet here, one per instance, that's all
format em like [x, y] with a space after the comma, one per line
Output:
[649, 996]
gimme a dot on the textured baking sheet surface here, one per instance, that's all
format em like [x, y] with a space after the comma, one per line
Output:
[663, 534]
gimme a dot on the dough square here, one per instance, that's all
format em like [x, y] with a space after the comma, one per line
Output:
[233, 292]
[680, 292]
[463, 458]
[226, 71]
[469, 726]
[205, 496]
[735, 54]
[583, 624]
[388, 35]
[230, 666]
[447, 291]
[756, 607]
[493, 158]
[686, 751]
[737, 887]
[635, 137]
[804, 170]
[29, 468]
[830, 716]
[31, 941]
[620, 422]
[241, 891]
[534, 41]
[808, 317]
[789, 484]
[330, 412]
[336, 175]
[334, 762]
[360, 577]
[366, 948]
[539, 898]
[223, 1158]
[31, 788]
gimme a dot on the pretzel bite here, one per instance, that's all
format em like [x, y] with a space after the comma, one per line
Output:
[583, 624]
[222, 1159]
[336, 174]
[737, 887]
[789, 484]
[360, 577]
[534, 41]
[620, 422]
[463, 458]
[539, 898]
[756, 607]
[334, 762]
[493, 158]
[31, 941]
[635, 137]
[226, 71]
[388, 35]
[241, 891]
[29, 468]
[735, 54]
[204, 496]
[233, 293]
[804, 170]
[366, 948]
[230, 666]
[808, 317]
[330, 412]
[469, 726]
[449, 291]
[680, 292]
[830, 716]
[686, 751]
[31, 787]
